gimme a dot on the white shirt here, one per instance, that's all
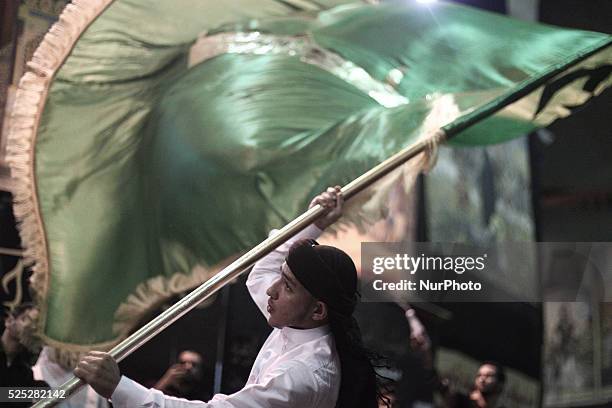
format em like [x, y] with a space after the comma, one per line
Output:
[294, 368]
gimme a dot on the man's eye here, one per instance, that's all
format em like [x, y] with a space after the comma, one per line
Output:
[287, 286]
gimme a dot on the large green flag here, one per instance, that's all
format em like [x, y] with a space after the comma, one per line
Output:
[153, 141]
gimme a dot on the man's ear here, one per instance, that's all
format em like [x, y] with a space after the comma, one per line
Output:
[320, 311]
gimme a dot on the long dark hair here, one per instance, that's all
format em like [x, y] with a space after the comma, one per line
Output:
[360, 384]
[329, 274]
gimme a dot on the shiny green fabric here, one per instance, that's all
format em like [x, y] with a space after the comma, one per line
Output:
[145, 168]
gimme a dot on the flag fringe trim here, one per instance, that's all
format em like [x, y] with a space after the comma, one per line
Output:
[147, 298]
[26, 113]
[25, 117]
[153, 293]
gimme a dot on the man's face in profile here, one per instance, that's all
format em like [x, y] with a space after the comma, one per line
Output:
[289, 303]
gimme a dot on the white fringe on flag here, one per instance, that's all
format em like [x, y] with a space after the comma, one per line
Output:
[25, 117]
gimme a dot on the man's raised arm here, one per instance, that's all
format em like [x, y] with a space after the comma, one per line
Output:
[266, 271]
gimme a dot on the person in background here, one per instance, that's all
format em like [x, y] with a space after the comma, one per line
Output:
[487, 389]
[184, 379]
[15, 359]
[488, 383]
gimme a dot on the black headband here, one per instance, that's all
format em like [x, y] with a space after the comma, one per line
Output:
[326, 272]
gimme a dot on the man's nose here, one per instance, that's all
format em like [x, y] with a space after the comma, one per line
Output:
[272, 292]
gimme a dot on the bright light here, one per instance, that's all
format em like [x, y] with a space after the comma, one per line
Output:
[426, 1]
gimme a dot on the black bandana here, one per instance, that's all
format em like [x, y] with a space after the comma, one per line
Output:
[328, 273]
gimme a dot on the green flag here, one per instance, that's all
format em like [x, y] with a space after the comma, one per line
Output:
[173, 138]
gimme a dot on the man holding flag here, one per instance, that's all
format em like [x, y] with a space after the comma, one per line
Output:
[313, 356]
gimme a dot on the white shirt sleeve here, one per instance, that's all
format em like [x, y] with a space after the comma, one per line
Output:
[286, 387]
[267, 270]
